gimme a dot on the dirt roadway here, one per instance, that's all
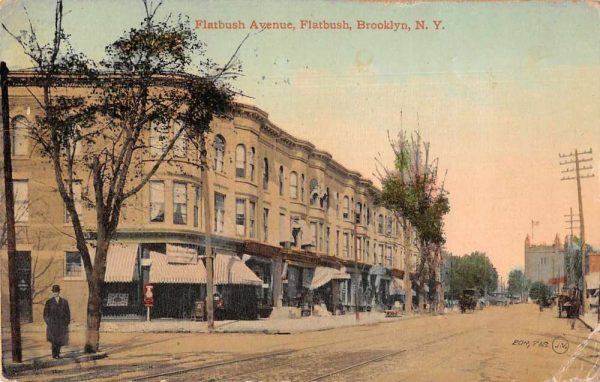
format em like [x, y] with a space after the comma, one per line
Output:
[496, 344]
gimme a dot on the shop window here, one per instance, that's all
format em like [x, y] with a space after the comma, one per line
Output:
[20, 136]
[158, 138]
[219, 212]
[293, 185]
[76, 200]
[240, 161]
[21, 196]
[180, 146]
[219, 146]
[346, 208]
[252, 163]
[179, 203]
[73, 265]
[157, 201]
[265, 224]
[197, 198]
[252, 220]
[265, 177]
[240, 217]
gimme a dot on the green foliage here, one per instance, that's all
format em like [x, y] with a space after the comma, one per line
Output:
[539, 292]
[471, 271]
[517, 282]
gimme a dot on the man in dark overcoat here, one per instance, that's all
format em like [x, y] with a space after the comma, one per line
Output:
[57, 316]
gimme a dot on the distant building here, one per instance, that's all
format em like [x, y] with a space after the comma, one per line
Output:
[546, 263]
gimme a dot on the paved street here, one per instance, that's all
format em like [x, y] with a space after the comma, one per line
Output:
[496, 344]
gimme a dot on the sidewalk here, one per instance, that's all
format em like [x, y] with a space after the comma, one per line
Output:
[590, 320]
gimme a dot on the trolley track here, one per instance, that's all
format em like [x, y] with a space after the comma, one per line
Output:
[278, 364]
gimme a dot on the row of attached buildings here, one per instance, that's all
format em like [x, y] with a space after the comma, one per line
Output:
[283, 228]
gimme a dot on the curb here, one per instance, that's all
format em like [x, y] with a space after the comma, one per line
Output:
[13, 369]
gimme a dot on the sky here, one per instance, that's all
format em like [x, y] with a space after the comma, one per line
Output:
[499, 90]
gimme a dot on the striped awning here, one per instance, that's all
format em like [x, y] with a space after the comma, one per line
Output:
[230, 269]
[121, 263]
[163, 272]
[323, 275]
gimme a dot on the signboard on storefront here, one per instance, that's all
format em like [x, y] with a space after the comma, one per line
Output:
[148, 295]
[117, 299]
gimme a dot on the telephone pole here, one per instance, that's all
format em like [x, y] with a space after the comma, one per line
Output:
[570, 222]
[208, 218]
[577, 158]
[356, 275]
[11, 243]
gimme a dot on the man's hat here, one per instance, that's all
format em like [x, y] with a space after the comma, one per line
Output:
[55, 288]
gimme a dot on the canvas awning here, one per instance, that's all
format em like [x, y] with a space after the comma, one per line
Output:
[164, 272]
[230, 269]
[121, 263]
[396, 286]
[323, 275]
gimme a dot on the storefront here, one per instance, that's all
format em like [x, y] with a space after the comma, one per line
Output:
[238, 285]
[262, 267]
[328, 286]
[121, 294]
[380, 278]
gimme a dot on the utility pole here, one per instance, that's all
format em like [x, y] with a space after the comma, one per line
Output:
[570, 222]
[577, 158]
[11, 243]
[208, 250]
[356, 221]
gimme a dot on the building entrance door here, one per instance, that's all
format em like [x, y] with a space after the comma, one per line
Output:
[23, 268]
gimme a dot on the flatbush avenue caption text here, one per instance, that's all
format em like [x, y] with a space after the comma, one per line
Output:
[323, 25]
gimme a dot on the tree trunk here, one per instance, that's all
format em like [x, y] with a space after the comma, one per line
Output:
[407, 269]
[439, 287]
[94, 305]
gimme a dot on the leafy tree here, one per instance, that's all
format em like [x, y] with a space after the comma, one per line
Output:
[472, 271]
[412, 192]
[517, 283]
[104, 133]
[540, 292]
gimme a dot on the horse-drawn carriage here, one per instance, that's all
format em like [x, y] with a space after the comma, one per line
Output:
[468, 300]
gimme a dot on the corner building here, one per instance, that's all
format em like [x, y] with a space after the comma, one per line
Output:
[283, 226]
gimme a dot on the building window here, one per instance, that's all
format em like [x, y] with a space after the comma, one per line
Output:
[389, 225]
[252, 220]
[313, 234]
[380, 224]
[368, 216]
[284, 235]
[180, 146]
[219, 146]
[337, 205]
[388, 256]
[280, 179]
[302, 188]
[380, 254]
[337, 243]
[357, 213]
[367, 244]
[158, 138]
[20, 136]
[314, 192]
[293, 185]
[76, 201]
[73, 265]
[346, 245]
[251, 161]
[346, 208]
[21, 196]
[157, 201]
[265, 174]
[240, 161]
[327, 240]
[197, 197]
[219, 212]
[265, 224]
[240, 216]
[359, 247]
[321, 241]
[374, 251]
[179, 203]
